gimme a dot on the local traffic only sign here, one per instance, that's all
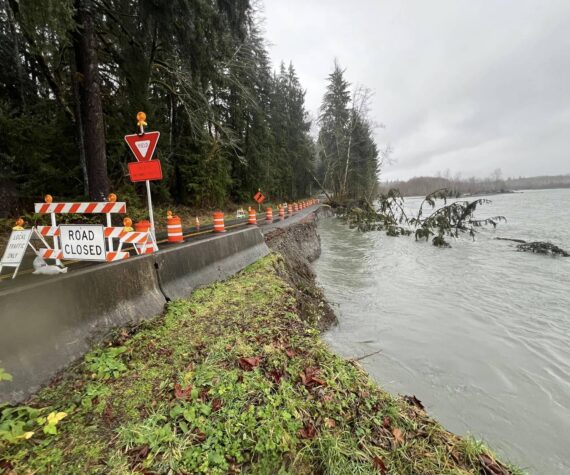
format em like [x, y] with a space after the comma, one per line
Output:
[85, 242]
[16, 249]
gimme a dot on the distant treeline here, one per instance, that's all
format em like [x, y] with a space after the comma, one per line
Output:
[423, 185]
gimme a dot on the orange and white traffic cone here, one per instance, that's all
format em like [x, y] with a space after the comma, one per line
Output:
[281, 213]
[269, 215]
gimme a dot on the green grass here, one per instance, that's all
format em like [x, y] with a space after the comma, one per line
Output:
[231, 380]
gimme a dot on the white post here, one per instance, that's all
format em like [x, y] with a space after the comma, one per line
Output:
[55, 238]
[151, 215]
[110, 239]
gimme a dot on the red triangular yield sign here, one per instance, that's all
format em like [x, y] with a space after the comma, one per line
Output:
[143, 145]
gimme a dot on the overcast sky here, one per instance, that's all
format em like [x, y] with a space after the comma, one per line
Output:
[464, 85]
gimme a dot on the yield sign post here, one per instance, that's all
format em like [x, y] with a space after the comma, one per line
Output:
[143, 145]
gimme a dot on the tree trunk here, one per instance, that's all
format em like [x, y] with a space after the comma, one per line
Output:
[17, 58]
[78, 126]
[90, 105]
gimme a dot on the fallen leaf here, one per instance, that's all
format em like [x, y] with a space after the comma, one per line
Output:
[204, 392]
[216, 405]
[308, 431]
[379, 464]
[329, 423]
[290, 352]
[309, 377]
[397, 433]
[387, 422]
[247, 364]
[276, 375]
[180, 393]
[139, 453]
[108, 414]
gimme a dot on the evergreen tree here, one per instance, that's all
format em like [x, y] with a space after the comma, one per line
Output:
[347, 154]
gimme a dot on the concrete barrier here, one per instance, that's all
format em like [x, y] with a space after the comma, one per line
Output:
[45, 326]
[183, 268]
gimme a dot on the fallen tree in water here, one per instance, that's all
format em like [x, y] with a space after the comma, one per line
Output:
[538, 247]
[449, 220]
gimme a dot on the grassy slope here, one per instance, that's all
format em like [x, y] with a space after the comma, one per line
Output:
[231, 380]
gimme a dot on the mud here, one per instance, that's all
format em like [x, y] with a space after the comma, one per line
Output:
[300, 244]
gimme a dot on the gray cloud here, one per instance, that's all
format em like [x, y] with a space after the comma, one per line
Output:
[464, 85]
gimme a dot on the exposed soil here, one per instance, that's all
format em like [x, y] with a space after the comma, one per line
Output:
[300, 244]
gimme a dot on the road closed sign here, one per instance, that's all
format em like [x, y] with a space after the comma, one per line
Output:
[84, 242]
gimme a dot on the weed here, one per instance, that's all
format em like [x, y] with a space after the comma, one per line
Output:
[106, 363]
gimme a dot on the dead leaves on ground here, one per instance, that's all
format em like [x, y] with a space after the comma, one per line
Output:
[248, 364]
[310, 377]
[182, 393]
[379, 465]
[398, 436]
[308, 431]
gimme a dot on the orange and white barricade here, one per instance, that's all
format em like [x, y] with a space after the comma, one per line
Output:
[53, 231]
[252, 216]
[174, 228]
[219, 226]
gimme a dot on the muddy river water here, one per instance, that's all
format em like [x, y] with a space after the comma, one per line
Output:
[479, 332]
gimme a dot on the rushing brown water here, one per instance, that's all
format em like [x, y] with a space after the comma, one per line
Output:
[479, 332]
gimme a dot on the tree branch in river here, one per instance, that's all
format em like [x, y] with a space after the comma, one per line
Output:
[450, 220]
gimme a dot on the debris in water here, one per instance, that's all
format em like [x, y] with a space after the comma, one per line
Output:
[540, 247]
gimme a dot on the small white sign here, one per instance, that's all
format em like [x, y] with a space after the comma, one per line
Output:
[83, 242]
[16, 247]
[142, 146]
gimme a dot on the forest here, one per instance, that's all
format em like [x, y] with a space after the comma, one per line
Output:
[76, 72]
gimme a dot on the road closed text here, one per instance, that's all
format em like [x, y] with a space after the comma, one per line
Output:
[83, 242]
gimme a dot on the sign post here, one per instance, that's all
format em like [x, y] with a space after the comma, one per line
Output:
[143, 144]
[16, 248]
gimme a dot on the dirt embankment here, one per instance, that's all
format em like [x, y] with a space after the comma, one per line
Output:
[300, 244]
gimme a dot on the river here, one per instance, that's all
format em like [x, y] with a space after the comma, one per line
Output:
[479, 333]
